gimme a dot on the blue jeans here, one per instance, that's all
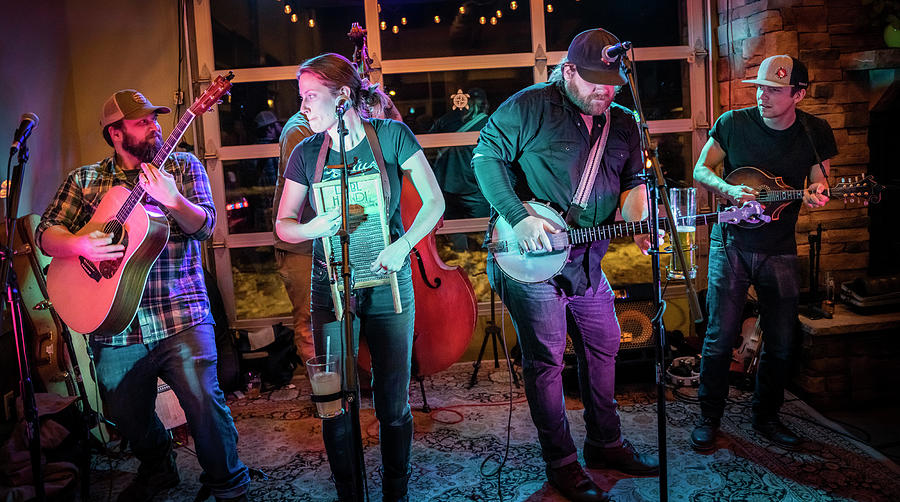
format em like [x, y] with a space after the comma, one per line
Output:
[389, 336]
[542, 315]
[187, 362]
[774, 277]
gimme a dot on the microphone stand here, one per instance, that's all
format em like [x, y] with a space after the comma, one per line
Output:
[656, 183]
[14, 300]
[350, 378]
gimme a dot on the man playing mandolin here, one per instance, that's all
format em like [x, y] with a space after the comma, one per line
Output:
[776, 137]
[172, 334]
[537, 144]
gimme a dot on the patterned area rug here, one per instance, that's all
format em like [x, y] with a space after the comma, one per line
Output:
[280, 436]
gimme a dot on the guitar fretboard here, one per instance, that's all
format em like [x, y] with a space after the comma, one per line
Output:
[137, 194]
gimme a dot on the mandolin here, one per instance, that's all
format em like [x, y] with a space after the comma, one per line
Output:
[774, 194]
[103, 297]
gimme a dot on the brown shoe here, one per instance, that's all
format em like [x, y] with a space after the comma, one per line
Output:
[571, 481]
[622, 458]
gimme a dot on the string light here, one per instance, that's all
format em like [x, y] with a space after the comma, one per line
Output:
[462, 9]
[287, 8]
[513, 5]
[437, 19]
[270, 102]
[392, 92]
[383, 26]
[312, 23]
[294, 17]
[549, 7]
[493, 20]
[499, 14]
[403, 21]
[395, 29]
[482, 20]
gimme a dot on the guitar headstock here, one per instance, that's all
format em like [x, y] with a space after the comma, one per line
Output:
[857, 189]
[220, 87]
[751, 211]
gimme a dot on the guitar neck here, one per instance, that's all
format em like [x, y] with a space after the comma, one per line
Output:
[137, 194]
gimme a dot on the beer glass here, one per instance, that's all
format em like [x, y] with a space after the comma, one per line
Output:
[325, 378]
[684, 207]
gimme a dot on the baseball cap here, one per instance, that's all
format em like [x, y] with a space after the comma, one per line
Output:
[586, 53]
[781, 71]
[127, 104]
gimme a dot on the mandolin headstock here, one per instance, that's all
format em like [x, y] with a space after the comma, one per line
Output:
[856, 189]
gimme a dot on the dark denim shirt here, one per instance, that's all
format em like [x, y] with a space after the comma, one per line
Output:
[535, 145]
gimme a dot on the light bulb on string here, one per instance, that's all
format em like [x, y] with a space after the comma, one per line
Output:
[437, 19]
[513, 5]
[482, 20]
[383, 26]
[403, 21]
[493, 21]
[462, 9]
[294, 17]
[287, 8]
[311, 23]
[549, 7]
[395, 29]
[499, 13]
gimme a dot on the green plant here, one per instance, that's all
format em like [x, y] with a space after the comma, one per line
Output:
[882, 12]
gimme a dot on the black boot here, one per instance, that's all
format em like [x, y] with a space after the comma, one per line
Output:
[396, 443]
[337, 433]
[156, 473]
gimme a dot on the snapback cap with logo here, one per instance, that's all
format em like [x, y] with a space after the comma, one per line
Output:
[586, 53]
[126, 104]
[781, 71]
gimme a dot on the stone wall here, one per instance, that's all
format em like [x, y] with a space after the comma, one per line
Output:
[817, 32]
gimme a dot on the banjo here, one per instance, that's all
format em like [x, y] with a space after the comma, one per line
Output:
[541, 265]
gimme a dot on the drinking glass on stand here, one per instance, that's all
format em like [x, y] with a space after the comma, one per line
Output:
[325, 378]
[684, 205]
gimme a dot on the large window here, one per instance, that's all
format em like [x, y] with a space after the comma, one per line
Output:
[447, 65]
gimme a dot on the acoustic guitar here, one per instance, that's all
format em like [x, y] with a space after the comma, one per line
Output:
[774, 194]
[539, 266]
[103, 297]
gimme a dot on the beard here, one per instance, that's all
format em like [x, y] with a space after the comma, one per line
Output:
[589, 104]
[143, 150]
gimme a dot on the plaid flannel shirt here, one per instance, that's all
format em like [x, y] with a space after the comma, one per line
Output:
[174, 298]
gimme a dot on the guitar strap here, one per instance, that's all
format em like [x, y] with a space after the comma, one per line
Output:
[588, 175]
[374, 146]
[815, 151]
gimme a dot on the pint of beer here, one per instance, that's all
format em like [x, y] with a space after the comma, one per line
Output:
[684, 207]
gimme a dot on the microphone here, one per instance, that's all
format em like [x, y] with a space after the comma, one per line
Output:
[342, 106]
[611, 52]
[29, 121]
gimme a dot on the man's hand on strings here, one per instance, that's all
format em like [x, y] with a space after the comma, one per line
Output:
[643, 241]
[740, 194]
[159, 184]
[814, 195]
[98, 246]
[531, 234]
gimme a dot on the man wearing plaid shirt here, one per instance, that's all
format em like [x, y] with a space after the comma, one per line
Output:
[172, 335]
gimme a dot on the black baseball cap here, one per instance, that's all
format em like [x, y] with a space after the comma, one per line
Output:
[586, 53]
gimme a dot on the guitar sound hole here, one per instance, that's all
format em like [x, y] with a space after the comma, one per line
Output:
[108, 268]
